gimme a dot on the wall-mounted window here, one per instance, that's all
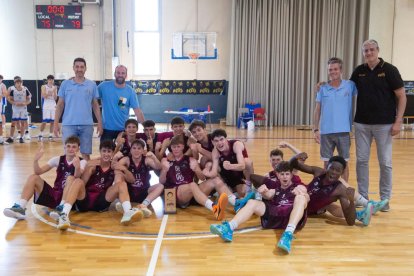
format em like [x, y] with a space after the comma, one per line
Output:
[147, 36]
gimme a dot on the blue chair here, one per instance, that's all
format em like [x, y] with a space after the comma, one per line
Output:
[243, 117]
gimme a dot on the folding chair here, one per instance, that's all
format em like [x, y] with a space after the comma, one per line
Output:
[243, 117]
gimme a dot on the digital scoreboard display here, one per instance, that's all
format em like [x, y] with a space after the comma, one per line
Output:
[58, 17]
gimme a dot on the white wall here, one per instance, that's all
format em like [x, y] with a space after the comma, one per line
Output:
[35, 53]
[181, 16]
[391, 24]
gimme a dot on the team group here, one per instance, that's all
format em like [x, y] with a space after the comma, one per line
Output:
[196, 163]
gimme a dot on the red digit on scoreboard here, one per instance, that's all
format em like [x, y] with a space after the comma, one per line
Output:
[76, 24]
[46, 23]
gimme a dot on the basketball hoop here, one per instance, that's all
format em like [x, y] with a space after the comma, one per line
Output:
[193, 57]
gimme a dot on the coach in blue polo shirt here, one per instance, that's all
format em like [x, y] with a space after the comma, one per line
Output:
[333, 114]
[78, 96]
[117, 98]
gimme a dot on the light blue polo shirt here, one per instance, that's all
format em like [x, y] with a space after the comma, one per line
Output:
[78, 102]
[116, 103]
[336, 107]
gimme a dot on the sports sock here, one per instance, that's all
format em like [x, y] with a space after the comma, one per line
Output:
[126, 205]
[233, 225]
[232, 199]
[41, 133]
[62, 202]
[248, 186]
[146, 202]
[290, 228]
[209, 204]
[361, 201]
[66, 208]
[22, 202]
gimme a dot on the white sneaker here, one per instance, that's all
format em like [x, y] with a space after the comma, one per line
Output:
[40, 138]
[132, 216]
[64, 222]
[118, 207]
[27, 136]
[147, 212]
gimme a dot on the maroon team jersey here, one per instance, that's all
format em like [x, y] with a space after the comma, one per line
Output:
[100, 181]
[210, 145]
[320, 195]
[179, 173]
[232, 178]
[142, 177]
[126, 147]
[62, 172]
[295, 177]
[278, 208]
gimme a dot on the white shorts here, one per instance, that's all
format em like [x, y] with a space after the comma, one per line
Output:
[19, 114]
[48, 115]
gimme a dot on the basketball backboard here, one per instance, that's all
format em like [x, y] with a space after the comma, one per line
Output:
[201, 45]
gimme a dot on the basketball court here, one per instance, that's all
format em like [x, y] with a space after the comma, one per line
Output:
[181, 244]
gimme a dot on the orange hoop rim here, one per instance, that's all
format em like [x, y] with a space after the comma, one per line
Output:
[193, 55]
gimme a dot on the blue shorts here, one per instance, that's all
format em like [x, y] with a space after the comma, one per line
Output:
[85, 134]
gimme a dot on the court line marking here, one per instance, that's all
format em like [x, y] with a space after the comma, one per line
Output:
[208, 236]
[156, 251]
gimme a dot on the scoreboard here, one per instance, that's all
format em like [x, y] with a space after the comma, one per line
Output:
[58, 17]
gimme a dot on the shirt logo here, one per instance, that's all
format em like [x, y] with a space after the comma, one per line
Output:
[381, 75]
[122, 102]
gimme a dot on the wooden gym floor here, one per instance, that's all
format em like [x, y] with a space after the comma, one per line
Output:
[182, 245]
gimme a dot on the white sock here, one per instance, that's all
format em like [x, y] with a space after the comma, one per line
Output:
[248, 186]
[232, 199]
[62, 202]
[209, 204]
[258, 196]
[126, 205]
[361, 201]
[1, 139]
[233, 225]
[66, 208]
[41, 133]
[290, 228]
[146, 202]
[22, 202]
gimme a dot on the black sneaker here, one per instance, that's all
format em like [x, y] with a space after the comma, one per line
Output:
[9, 140]
[21, 141]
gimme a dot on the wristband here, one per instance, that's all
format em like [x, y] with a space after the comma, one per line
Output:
[315, 130]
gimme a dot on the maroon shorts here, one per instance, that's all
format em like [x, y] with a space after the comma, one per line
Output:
[137, 195]
[49, 197]
[277, 217]
[93, 202]
[232, 178]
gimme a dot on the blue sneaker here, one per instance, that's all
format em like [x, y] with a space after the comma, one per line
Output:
[55, 214]
[16, 211]
[223, 230]
[285, 241]
[364, 215]
[378, 205]
[240, 203]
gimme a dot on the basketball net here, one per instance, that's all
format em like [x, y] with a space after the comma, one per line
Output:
[193, 57]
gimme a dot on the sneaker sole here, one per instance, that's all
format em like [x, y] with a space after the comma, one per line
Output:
[365, 221]
[63, 227]
[147, 213]
[215, 231]
[12, 214]
[284, 248]
[136, 217]
[54, 215]
[221, 206]
[376, 210]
